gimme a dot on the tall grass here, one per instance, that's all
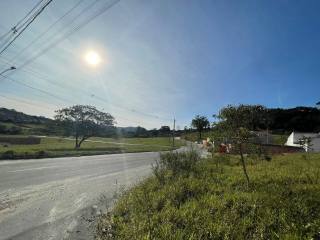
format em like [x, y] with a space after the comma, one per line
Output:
[189, 198]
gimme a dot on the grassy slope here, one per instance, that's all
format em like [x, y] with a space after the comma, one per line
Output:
[57, 147]
[283, 202]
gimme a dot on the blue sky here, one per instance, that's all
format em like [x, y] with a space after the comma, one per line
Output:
[168, 58]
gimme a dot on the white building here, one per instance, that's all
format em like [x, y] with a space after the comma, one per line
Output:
[296, 140]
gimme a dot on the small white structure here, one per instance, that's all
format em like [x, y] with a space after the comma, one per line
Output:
[298, 140]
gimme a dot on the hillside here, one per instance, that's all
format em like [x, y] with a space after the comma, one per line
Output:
[12, 116]
[13, 122]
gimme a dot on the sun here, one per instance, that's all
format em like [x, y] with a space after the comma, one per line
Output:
[92, 58]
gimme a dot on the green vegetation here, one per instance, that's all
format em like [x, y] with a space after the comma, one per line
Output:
[200, 123]
[59, 147]
[83, 122]
[189, 198]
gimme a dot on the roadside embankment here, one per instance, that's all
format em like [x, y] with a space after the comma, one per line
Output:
[189, 198]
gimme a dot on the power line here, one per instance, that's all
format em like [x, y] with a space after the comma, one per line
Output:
[67, 34]
[35, 88]
[47, 30]
[63, 100]
[17, 27]
[26, 26]
[60, 30]
[76, 28]
[95, 96]
[23, 101]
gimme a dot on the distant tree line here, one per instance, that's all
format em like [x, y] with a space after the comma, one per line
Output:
[12, 116]
[300, 119]
[277, 120]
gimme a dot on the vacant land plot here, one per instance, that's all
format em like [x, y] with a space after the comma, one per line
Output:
[57, 147]
[188, 198]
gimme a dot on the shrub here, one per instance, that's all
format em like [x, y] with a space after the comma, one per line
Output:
[172, 164]
[179, 163]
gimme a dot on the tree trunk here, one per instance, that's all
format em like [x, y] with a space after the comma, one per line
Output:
[199, 135]
[81, 141]
[77, 144]
[243, 164]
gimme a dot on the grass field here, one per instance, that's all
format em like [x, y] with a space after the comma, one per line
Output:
[57, 147]
[188, 198]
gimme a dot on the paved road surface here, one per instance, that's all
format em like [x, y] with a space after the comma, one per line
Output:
[43, 199]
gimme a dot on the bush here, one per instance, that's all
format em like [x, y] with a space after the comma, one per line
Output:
[178, 163]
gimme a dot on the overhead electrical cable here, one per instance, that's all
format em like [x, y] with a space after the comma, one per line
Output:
[24, 101]
[13, 29]
[47, 30]
[49, 80]
[68, 33]
[65, 35]
[26, 26]
[17, 27]
[35, 88]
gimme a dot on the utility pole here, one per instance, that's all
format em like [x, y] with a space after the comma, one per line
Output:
[174, 126]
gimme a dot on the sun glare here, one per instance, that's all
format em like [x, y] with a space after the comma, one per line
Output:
[92, 58]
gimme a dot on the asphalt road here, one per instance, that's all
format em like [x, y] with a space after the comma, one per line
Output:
[44, 198]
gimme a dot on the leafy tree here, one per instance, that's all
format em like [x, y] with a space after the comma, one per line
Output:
[165, 130]
[235, 123]
[83, 121]
[141, 132]
[200, 123]
[153, 132]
